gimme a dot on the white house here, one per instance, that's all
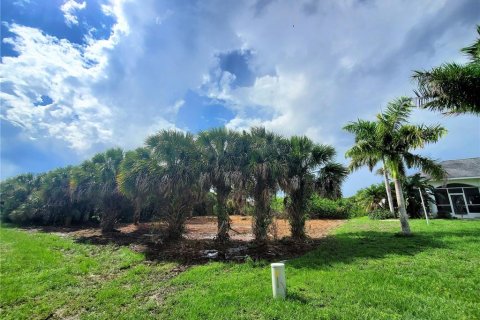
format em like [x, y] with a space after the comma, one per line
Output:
[459, 194]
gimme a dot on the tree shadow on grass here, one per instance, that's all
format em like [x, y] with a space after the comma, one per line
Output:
[194, 251]
[348, 247]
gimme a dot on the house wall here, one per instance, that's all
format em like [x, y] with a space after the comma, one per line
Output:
[470, 181]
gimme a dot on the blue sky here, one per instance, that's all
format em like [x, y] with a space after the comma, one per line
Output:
[80, 76]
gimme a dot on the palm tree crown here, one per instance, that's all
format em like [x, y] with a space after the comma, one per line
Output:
[452, 88]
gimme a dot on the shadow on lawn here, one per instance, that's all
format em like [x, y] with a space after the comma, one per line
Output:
[348, 247]
[192, 252]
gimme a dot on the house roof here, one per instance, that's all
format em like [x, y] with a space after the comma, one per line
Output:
[462, 168]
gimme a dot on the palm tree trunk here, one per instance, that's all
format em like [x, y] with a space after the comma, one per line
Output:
[262, 214]
[297, 215]
[223, 221]
[388, 189]
[176, 219]
[402, 211]
[137, 211]
[107, 220]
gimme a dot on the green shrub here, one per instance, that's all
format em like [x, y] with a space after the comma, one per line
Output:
[323, 208]
[206, 206]
[353, 208]
[278, 207]
[380, 214]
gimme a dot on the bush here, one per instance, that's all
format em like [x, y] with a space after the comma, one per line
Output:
[353, 208]
[380, 214]
[205, 207]
[322, 208]
[278, 207]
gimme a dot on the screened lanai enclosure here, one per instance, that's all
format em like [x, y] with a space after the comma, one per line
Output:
[459, 194]
[458, 199]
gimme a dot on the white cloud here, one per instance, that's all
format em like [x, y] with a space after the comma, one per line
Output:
[58, 69]
[83, 113]
[69, 8]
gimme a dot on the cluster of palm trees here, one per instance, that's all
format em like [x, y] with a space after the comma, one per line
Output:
[175, 170]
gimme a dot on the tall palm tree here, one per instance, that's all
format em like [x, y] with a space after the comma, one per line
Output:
[398, 139]
[452, 88]
[265, 167]
[303, 157]
[177, 158]
[133, 179]
[95, 180]
[365, 137]
[224, 164]
[54, 191]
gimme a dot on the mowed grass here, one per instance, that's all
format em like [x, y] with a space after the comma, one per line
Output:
[47, 276]
[363, 271]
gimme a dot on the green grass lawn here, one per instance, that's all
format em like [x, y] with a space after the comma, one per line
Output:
[363, 271]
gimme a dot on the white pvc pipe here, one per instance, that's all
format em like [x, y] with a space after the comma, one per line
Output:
[423, 205]
[279, 285]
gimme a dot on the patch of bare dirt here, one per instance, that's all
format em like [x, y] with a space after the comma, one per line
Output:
[206, 228]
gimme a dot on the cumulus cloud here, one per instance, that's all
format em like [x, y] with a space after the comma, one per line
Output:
[61, 71]
[69, 8]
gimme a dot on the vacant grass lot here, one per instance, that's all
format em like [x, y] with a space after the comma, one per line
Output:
[363, 271]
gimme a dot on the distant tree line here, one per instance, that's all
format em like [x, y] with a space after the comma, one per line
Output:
[176, 174]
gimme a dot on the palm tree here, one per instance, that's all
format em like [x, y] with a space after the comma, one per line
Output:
[224, 164]
[330, 179]
[302, 158]
[133, 179]
[451, 87]
[265, 167]
[388, 186]
[371, 197]
[414, 185]
[175, 176]
[15, 191]
[365, 137]
[398, 139]
[96, 181]
[54, 191]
